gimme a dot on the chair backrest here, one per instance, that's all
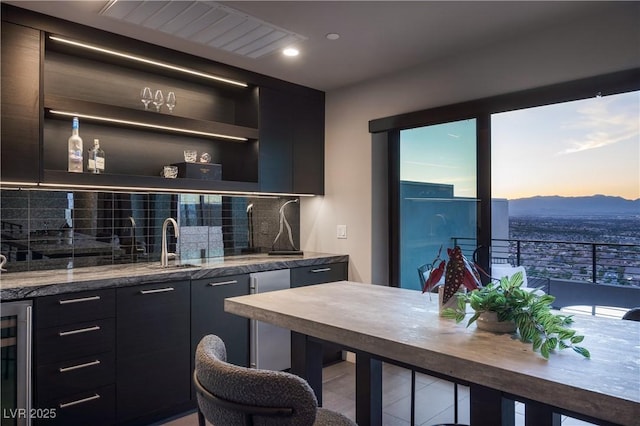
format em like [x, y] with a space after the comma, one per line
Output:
[238, 391]
[423, 275]
[632, 314]
[499, 270]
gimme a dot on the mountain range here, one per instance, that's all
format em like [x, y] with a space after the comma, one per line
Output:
[595, 205]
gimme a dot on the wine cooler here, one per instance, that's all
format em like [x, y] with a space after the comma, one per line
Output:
[15, 340]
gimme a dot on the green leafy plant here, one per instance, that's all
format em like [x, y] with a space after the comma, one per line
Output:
[531, 312]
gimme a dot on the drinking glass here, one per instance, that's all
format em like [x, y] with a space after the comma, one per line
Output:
[146, 97]
[158, 100]
[190, 155]
[171, 101]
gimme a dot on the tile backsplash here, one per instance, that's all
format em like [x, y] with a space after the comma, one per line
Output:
[62, 229]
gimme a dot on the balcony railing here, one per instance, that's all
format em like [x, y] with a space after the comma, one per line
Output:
[580, 273]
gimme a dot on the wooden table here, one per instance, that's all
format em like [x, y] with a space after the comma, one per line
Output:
[403, 326]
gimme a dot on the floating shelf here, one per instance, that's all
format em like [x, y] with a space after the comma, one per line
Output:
[133, 183]
[62, 108]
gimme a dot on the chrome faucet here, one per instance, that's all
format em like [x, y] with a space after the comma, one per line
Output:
[165, 256]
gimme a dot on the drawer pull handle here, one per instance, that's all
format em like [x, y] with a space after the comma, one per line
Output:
[223, 283]
[76, 367]
[315, 271]
[79, 401]
[157, 290]
[82, 299]
[80, 330]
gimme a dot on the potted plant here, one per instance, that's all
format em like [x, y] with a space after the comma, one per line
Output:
[527, 312]
[458, 272]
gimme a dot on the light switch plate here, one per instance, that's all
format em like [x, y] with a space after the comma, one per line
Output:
[342, 232]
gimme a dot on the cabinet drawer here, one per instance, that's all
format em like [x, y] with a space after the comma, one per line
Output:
[71, 308]
[152, 318]
[95, 407]
[73, 341]
[309, 275]
[71, 377]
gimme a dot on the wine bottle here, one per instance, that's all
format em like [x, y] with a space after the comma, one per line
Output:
[75, 148]
[95, 162]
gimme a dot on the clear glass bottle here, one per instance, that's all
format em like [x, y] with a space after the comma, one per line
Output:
[95, 162]
[75, 148]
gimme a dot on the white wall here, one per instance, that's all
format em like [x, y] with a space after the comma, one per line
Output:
[583, 48]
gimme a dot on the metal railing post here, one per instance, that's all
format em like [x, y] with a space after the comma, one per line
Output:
[593, 263]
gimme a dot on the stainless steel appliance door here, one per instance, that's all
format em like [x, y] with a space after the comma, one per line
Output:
[16, 362]
[270, 345]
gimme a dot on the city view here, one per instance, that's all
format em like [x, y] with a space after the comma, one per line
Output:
[564, 247]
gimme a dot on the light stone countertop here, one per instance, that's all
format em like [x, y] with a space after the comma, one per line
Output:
[24, 285]
[404, 325]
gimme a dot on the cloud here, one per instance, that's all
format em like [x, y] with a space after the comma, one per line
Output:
[599, 126]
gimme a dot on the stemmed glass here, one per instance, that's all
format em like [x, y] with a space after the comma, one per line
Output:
[158, 100]
[171, 101]
[146, 97]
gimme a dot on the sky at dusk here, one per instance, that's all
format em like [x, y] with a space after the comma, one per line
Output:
[580, 148]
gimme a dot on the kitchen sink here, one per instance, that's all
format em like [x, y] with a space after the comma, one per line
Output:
[176, 266]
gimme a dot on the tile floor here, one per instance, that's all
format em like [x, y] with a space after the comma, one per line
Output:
[434, 398]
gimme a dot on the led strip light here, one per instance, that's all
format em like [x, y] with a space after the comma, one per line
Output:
[35, 186]
[148, 61]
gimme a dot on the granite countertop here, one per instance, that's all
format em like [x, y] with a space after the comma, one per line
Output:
[24, 285]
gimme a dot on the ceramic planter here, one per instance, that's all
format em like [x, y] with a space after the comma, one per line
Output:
[488, 321]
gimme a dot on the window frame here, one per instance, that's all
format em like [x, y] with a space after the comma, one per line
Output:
[481, 110]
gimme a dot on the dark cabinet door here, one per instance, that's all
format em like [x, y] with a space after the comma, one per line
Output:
[20, 148]
[276, 153]
[318, 274]
[308, 144]
[208, 315]
[291, 141]
[152, 349]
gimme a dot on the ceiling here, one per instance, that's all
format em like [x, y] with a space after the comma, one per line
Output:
[377, 38]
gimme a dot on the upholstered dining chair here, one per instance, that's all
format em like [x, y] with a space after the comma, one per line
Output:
[230, 395]
[632, 314]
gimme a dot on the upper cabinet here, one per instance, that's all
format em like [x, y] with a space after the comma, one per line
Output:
[291, 141]
[20, 143]
[76, 71]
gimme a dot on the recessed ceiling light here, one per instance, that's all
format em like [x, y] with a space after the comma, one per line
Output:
[332, 36]
[290, 51]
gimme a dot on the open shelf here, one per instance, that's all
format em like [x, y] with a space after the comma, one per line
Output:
[134, 183]
[147, 120]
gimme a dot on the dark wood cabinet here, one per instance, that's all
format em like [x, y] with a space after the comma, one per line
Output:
[318, 274]
[41, 77]
[208, 317]
[291, 136]
[74, 358]
[20, 147]
[153, 350]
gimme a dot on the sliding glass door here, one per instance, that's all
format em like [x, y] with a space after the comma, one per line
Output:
[438, 201]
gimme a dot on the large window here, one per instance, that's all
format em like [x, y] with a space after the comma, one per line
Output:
[437, 192]
[434, 153]
[568, 177]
